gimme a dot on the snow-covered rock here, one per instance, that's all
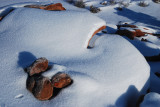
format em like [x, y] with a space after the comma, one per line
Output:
[113, 73]
[151, 100]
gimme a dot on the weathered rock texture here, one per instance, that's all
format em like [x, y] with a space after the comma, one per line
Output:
[38, 66]
[130, 31]
[40, 87]
[61, 80]
[53, 7]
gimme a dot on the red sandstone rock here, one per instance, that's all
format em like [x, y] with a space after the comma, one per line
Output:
[38, 66]
[56, 7]
[130, 31]
[98, 30]
[43, 89]
[139, 33]
[61, 80]
[129, 34]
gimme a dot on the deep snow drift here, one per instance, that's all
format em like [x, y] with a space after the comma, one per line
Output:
[110, 74]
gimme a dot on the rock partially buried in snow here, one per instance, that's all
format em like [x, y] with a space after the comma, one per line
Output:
[38, 66]
[0, 18]
[151, 100]
[30, 83]
[53, 7]
[93, 70]
[57, 6]
[132, 31]
[43, 89]
[61, 80]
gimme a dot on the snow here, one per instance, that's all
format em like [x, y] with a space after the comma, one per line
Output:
[113, 73]
[151, 100]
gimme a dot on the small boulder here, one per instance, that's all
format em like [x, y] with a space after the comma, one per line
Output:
[38, 66]
[129, 34]
[30, 83]
[130, 31]
[43, 89]
[40, 87]
[61, 80]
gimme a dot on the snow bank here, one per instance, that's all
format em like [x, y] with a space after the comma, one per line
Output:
[111, 74]
[151, 100]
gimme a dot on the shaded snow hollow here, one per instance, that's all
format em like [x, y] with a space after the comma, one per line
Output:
[113, 73]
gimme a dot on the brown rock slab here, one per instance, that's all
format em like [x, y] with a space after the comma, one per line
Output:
[139, 33]
[61, 80]
[43, 89]
[56, 7]
[95, 32]
[131, 33]
[38, 66]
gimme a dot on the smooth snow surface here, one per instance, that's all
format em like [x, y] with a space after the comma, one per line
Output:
[151, 100]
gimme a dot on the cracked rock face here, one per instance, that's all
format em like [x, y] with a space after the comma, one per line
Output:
[61, 80]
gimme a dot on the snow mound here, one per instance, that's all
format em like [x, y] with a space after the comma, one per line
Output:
[68, 23]
[111, 74]
[151, 100]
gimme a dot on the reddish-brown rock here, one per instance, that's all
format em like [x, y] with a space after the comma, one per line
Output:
[0, 18]
[139, 33]
[38, 66]
[131, 34]
[130, 31]
[61, 80]
[30, 83]
[56, 7]
[127, 33]
[43, 89]
[95, 32]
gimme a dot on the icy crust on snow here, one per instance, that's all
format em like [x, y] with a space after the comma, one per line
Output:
[110, 74]
[151, 100]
